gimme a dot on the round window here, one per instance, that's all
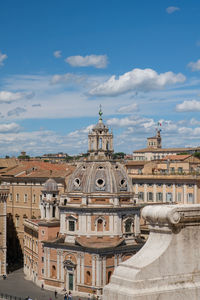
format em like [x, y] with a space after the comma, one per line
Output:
[123, 182]
[100, 182]
[77, 182]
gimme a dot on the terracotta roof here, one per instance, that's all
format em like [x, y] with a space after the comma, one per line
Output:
[176, 157]
[8, 162]
[136, 163]
[164, 150]
[39, 169]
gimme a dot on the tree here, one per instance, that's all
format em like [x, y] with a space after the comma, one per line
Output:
[118, 155]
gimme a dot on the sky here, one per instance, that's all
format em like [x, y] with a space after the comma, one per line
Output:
[59, 60]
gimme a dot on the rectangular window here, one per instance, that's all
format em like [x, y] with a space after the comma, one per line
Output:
[42, 271]
[40, 197]
[25, 198]
[169, 197]
[172, 170]
[149, 196]
[179, 197]
[17, 221]
[180, 170]
[71, 225]
[10, 197]
[17, 197]
[159, 197]
[190, 198]
[141, 196]
[42, 258]
[34, 198]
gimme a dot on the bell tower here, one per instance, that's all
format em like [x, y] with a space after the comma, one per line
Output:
[100, 140]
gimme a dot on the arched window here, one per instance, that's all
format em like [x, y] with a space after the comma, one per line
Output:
[100, 225]
[107, 146]
[54, 212]
[100, 143]
[53, 272]
[109, 275]
[128, 226]
[88, 278]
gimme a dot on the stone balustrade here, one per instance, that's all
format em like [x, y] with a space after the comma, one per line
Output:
[168, 265]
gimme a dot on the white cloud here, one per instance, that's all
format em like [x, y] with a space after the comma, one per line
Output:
[172, 9]
[8, 97]
[97, 61]
[57, 53]
[16, 111]
[194, 66]
[188, 105]
[8, 128]
[128, 109]
[193, 121]
[136, 80]
[78, 133]
[66, 78]
[2, 58]
[131, 121]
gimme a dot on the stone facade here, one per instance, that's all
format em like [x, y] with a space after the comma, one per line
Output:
[26, 182]
[167, 267]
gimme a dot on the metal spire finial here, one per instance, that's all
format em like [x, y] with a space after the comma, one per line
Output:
[100, 113]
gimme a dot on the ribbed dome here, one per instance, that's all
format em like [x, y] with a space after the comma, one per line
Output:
[93, 177]
[50, 185]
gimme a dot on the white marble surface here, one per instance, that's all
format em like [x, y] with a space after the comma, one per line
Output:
[168, 266]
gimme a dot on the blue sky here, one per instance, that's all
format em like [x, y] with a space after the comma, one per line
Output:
[59, 60]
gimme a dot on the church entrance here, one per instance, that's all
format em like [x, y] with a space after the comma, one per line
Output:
[71, 281]
[70, 271]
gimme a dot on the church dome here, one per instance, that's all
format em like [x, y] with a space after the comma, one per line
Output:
[93, 177]
[50, 185]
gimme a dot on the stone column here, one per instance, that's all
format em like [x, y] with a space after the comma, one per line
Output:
[62, 223]
[174, 193]
[78, 268]
[145, 192]
[98, 270]
[136, 188]
[82, 268]
[50, 211]
[93, 270]
[136, 225]
[154, 192]
[111, 220]
[48, 262]
[164, 192]
[184, 194]
[88, 224]
[58, 264]
[45, 261]
[42, 211]
[57, 212]
[47, 212]
[61, 266]
[116, 225]
[104, 270]
[195, 194]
